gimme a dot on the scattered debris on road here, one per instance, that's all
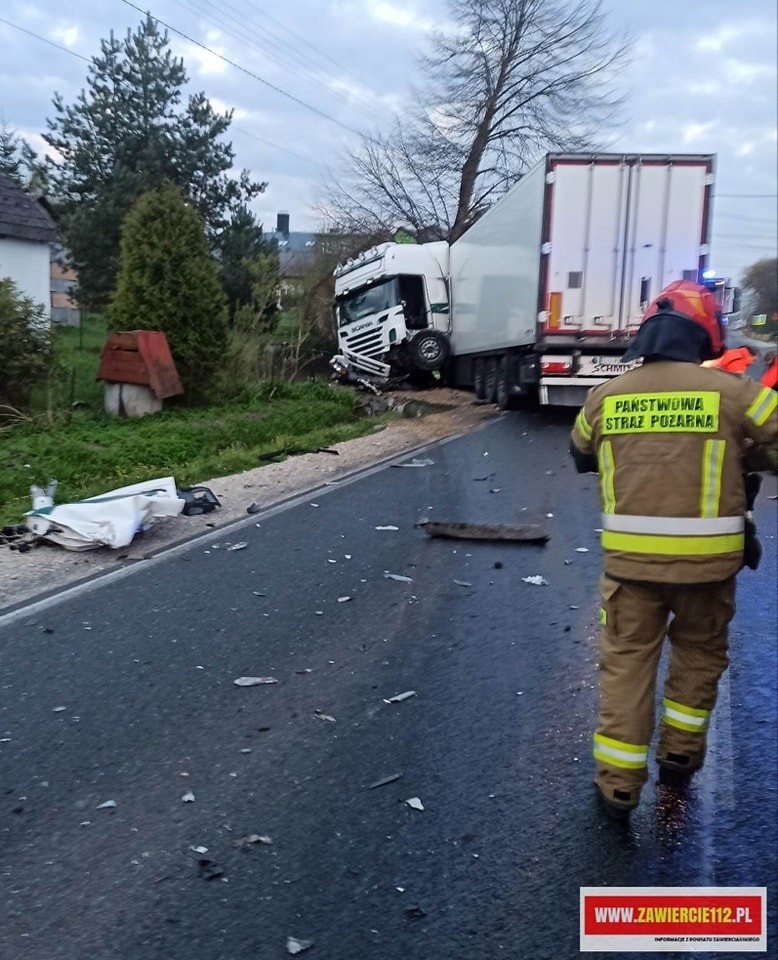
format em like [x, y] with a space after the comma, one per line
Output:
[237, 546]
[414, 803]
[522, 533]
[253, 681]
[188, 797]
[385, 781]
[415, 913]
[294, 946]
[209, 869]
[323, 716]
[59, 709]
[536, 580]
[253, 840]
[425, 462]
[108, 805]
[463, 583]
[387, 527]
[398, 577]
[399, 697]
[581, 549]
[343, 599]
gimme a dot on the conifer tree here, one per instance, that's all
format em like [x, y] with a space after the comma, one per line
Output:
[130, 130]
[168, 281]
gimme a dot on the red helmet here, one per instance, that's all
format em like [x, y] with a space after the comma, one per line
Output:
[695, 302]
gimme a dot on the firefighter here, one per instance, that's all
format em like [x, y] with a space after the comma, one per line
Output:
[667, 440]
[737, 360]
[770, 375]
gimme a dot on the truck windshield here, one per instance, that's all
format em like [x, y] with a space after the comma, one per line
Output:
[362, 303]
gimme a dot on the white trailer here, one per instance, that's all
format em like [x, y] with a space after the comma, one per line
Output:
[543, 293]
[551, 283]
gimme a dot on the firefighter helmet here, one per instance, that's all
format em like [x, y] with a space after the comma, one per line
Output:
[695, 302]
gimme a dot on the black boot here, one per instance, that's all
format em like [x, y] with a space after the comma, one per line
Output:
[675, 771]
[619, 805]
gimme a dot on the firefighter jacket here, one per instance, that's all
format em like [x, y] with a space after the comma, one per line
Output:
[669, 438]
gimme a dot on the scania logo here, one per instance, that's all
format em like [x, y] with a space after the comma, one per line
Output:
[362, 326]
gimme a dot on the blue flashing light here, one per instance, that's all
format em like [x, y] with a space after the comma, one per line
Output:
[708, 274]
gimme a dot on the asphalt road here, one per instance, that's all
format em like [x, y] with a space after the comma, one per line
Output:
[125, 692]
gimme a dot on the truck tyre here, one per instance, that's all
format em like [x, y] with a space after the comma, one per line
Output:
[429, 350]
[490, 377]
[505, 398]
[479, 379]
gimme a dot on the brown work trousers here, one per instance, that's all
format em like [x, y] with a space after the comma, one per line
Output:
[634, 626]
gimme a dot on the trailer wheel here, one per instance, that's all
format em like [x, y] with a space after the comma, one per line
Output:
[490, 377]
[429, 350]
[479, 378]
[505, 398]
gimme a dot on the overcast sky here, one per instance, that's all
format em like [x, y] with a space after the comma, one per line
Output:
[701, 79]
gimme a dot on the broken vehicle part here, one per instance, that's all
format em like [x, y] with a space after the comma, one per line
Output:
[399, 697]
[522, 533]
[253, 681]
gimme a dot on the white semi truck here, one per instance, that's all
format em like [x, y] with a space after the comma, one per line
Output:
[542, 294]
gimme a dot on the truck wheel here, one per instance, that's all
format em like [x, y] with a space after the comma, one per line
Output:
[429, 350]
[490, 377]
[505, 398]
[479, 379]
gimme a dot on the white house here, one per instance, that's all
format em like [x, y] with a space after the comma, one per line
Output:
[26, 231]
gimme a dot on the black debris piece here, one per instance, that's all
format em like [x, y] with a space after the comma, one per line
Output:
[415, 913]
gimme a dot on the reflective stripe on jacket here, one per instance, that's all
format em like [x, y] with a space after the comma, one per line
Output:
[669, 439]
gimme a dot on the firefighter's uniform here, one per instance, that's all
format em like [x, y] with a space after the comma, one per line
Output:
[669, 439]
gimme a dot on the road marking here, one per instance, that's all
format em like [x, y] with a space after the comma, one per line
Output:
[101, 579]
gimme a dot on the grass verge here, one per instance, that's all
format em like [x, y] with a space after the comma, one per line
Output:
[93, 453]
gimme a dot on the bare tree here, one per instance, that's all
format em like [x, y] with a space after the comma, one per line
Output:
[506, 81]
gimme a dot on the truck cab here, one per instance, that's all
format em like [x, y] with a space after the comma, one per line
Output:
[392, 311]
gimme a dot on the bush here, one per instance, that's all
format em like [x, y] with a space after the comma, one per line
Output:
[27, 357]
[168, 281]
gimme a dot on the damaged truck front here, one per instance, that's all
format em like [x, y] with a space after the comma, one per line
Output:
[392, 312]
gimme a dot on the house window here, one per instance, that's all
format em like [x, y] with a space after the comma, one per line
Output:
[645, 292]
[575, 280]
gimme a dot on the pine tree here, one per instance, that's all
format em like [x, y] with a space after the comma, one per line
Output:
[239, 244]
[17, 158]
[168, 281]
[131, 130]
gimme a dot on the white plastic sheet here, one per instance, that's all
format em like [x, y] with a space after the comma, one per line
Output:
[110, 520]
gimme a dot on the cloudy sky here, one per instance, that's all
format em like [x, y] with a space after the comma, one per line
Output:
[701, 79]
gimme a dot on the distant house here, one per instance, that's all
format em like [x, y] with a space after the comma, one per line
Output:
[26, 233]
[296, 252]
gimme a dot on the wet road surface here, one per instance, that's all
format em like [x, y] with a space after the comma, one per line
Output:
[125, 692]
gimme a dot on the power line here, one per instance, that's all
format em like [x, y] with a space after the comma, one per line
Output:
[238, 66]
[255, 136]
[51, 43]
[245, 32]
[755, 196]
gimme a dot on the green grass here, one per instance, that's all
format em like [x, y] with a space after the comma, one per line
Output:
[93, 453]
[78, 357]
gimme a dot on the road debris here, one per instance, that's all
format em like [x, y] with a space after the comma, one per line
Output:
[489, 476]
[399, 697]
[425, 462]
[415, 804]
[253, 840]
[209, 869]
[525, 533]
[385, 781]
[253, 681]
[237, 546]
[415, 913]
[294, 946]
[581, 549]
[58, 709]
[498, 564]
[200, 850]
[549, 516]
[387, 527]
[188, 797]
[495, 490]
[536, 580]
[306, 670]
[398, 577]
[463, 583]
[323, 716]
[108, 805]
[343, 599]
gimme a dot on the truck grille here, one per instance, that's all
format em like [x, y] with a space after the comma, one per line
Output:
[368, 343]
